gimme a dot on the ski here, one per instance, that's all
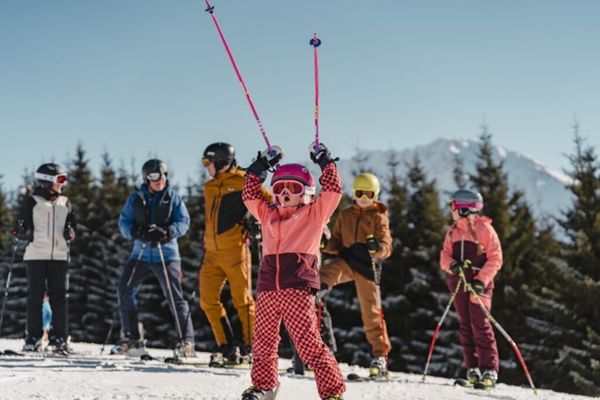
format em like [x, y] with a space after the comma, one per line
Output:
[11, 353]
[353, 377]
[195, 362]
[462, 383]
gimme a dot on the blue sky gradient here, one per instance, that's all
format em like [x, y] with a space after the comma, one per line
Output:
[150, 77]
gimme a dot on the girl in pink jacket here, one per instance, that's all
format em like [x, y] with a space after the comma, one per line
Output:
[289, 270]
[471, 244]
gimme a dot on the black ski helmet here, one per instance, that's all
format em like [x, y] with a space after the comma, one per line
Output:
[467, 202]
[153, 170]
[46, 175]
[220, 153]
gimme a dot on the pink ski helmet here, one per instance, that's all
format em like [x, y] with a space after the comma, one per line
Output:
[298, 173]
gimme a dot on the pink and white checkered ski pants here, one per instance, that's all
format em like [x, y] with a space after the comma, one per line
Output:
[297, 309]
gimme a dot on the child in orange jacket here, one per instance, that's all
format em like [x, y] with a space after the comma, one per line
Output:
[472, 245]
[289, 270]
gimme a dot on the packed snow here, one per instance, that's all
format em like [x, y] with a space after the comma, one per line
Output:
[91, 376]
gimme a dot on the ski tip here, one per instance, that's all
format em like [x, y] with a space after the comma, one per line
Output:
[353, 377]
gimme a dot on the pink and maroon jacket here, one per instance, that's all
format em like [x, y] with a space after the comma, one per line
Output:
[291, 236]
[483, 249]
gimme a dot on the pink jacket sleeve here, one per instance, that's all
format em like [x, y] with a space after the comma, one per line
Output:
[489, 240]
[446, 252]
[253, 197]
[330, 195]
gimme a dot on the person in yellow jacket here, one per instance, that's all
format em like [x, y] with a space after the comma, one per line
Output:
[227, 256]
[361, 239]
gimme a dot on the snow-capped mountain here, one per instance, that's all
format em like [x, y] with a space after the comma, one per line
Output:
[545, 190]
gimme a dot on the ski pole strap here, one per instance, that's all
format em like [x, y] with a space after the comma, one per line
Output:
[211, 10]
[315, 42]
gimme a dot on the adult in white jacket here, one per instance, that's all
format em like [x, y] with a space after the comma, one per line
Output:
[46, 220]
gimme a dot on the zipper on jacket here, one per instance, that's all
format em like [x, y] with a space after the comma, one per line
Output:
[357, 225]
[213, 213]
[53, 228]
[277, 266]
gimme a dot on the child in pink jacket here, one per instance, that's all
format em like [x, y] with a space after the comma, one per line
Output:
[471, 244]
[289, 270]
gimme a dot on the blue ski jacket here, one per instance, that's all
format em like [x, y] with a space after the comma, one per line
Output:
[165, 209]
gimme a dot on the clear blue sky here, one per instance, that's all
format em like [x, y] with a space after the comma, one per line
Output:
[150, 77]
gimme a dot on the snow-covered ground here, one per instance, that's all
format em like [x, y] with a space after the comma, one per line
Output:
[91, 376]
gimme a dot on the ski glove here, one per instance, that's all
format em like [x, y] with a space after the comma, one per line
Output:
[69, 232]
[320, 156]
[456, 267]
[157, 234]
[19, 232]
[373, 244]
[478, 286]
[265, 161]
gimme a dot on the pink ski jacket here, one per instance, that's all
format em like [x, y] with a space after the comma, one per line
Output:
[483, 248]
[291, 236]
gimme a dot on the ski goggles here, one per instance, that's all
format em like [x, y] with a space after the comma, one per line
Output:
[291, 187]
[60, 179]
[457, 205]
[359, 194]
[155, 176]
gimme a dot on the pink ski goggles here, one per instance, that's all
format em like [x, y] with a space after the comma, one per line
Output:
[291, 187]
[456, 205]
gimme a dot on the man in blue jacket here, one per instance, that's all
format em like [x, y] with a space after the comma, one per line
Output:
[154, 216]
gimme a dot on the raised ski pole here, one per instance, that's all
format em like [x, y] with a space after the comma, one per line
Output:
[315, 42]
[211, 10]
[489, 316]
[437, 329]
[8, 278]
[171, 298]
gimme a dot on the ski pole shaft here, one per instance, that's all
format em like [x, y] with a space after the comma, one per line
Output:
[437, 329]
[8, 279]
[512, 343]
[211, 10]
[315, 42]
[170, 292]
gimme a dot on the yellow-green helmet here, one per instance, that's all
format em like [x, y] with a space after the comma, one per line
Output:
[368, 182]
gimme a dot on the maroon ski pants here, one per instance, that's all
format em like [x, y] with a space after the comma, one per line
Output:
[476, 332]
[297, 309]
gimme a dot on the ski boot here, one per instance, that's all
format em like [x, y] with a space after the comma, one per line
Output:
[225, 354]
[130, 347]
[473, 376]
[378, 368]
[253, 393]
[488, 380]
[246, 354]
[58, 345]
[186, 349]
[32, 345]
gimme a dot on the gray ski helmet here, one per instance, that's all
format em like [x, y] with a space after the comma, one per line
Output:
[220, 153]
[48, 174]
[153, 170]
[467, 202]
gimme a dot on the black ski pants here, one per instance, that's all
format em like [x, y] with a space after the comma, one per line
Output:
[51, 277]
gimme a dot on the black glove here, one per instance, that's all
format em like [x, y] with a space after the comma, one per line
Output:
[320, 156]
[69, 232]
[456, 267]
[478, 286]
[158, 234]
[266, 161]
[19, 231]
[373, 244]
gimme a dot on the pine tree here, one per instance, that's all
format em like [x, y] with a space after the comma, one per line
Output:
[6, 221]
[413, 286]
[578, 355]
